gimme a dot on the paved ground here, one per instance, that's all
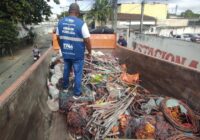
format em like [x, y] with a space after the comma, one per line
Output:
[11, 69]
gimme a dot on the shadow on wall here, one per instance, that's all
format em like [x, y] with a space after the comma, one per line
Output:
[161, 77]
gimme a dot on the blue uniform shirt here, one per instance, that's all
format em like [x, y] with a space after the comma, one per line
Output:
[71, 38]
[122, 42]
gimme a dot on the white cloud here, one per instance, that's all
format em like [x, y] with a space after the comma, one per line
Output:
[183, 5]
[87, 4]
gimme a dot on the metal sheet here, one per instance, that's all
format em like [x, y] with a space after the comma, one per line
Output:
[176, 51]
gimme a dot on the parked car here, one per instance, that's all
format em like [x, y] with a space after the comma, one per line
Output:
[195, 38]
[188, 37]
[185, 37]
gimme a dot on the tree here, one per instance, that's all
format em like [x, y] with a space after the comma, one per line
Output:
[66, 13]
[63, 14]
[100, 12]
[189, 14]
[25, 12]
[8, 35]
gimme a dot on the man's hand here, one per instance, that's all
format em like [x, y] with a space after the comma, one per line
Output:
[89, 56]
[88, 45]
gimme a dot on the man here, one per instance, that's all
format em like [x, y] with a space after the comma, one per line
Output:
[122, 41]
[73, 35]
[36, 53]
[171, 34]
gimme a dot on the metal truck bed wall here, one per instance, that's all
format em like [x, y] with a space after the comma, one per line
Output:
[162, 77]
[24, 114]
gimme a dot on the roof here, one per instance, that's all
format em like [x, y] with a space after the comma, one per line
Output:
[133, 17]
[136, 1]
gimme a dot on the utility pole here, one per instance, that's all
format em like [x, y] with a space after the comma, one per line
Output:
[114, 23]
[176, 9]
[142, 16]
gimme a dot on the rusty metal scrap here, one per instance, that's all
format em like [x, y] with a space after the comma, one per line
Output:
[76, 122]
[163, 128]
[179, 115]
[121, 107]
[183, 137]
[104, 120]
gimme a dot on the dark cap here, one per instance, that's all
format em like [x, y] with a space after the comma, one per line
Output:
[74, 7]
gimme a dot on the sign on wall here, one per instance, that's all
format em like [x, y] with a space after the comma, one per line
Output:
[175, 51]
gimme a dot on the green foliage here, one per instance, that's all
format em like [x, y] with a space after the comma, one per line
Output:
[189, 14]
[66, 13]
[56, 1]
[63, 14]
[20, 11]
[8, 34]
[25, 11]
[100, 12]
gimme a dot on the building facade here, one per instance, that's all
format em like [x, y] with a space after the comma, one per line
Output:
[157, 10]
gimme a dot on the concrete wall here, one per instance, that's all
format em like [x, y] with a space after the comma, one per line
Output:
[24, 114]
[162, 77]
[175, 51]
[176, 30]
[173, 22]
[179, 31]
[44, 28]
[22, 31]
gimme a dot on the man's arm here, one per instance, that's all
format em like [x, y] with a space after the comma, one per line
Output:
[58, 39]
[57, 35]
[86, 38]
[88, 45]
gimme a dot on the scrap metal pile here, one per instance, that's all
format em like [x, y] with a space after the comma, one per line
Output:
[119, 107]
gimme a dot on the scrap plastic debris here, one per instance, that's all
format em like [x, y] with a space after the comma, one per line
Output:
[53, 104]
[115, 105]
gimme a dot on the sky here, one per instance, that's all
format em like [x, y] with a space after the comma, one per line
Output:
[85, 5]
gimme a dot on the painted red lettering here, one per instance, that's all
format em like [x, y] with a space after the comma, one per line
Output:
[145, 48]
[169, 57]
[180, 60]
[138, 48]
[194, 64]
[158, 52]
[163, 55]
[151, 51]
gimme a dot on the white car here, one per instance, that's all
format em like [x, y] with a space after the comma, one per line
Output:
[185, 37]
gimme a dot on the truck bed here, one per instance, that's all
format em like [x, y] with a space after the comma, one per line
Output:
[25, 115]
[58, 128]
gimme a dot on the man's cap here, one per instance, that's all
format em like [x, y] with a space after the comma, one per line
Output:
[74, 7]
